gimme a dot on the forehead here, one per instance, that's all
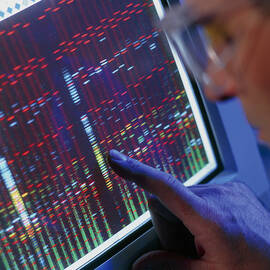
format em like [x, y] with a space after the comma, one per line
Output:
[217, 7]
[233, 14]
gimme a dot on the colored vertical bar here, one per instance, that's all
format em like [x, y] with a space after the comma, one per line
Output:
[19, 205]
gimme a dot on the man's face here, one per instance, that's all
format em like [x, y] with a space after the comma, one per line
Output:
[247, 74]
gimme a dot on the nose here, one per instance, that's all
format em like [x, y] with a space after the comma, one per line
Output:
[221, 86]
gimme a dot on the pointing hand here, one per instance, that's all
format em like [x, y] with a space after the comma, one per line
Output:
[229, 228]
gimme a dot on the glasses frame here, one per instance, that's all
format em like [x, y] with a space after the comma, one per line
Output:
[183, 20]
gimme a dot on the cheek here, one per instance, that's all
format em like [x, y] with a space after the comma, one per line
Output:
[254, 61]
[252, 68]
[258, 111]
[255, 97]
[258, 72]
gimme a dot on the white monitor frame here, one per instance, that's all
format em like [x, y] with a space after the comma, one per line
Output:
[240, 158]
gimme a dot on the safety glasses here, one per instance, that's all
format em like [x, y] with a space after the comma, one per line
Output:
[201, 41]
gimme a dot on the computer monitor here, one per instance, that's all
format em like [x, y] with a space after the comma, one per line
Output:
[77, 79]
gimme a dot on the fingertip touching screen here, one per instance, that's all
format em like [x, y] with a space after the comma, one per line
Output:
[78, 78]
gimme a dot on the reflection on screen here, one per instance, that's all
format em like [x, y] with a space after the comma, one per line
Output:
[77, 79]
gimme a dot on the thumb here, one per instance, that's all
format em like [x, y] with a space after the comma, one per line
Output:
[164, 260]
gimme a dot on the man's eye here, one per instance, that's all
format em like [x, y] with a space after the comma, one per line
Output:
[217, 35]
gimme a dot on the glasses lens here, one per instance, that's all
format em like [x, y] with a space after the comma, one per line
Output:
[218, 36]
[201, 47]
[192, 45]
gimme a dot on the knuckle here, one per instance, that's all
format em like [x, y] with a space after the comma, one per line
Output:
[239, 187]
[171, 180]
[219, 191]
[132, 164]
[237, 184]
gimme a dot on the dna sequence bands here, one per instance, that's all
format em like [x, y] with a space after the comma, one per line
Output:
[77, 79]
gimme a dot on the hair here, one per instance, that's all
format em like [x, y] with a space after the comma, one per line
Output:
[262, 3]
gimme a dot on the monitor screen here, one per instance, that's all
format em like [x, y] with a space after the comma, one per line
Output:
[78, 78]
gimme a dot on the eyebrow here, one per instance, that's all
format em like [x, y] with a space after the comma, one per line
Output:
[181, 16]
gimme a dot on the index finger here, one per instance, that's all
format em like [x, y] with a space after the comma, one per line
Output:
[179, 199]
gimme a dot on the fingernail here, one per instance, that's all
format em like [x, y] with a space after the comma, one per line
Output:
[117, 156]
